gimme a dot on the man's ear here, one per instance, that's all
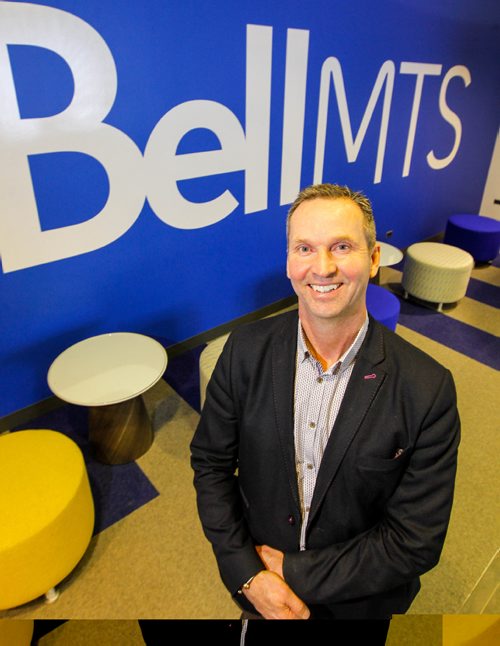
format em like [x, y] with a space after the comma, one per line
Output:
[375, 260]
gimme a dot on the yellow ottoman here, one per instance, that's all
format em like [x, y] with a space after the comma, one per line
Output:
[16, 632]
[46, 513]
[471, 630]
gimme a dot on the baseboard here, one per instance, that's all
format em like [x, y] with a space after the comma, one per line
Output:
[24, 415]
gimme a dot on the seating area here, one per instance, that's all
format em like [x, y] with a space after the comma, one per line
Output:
[440, 272]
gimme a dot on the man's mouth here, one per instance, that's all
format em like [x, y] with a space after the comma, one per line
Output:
[323, 289]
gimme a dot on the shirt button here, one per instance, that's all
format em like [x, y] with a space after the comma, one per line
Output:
[309, 466]
[291, 520]
[319, 380]
[312, 425]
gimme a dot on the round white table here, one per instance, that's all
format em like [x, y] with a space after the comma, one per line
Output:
[108, 373]
[389, 255]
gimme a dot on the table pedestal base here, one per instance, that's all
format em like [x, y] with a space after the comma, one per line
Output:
[120, 433]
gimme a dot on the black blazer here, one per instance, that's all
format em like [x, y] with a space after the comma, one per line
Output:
[384, 490]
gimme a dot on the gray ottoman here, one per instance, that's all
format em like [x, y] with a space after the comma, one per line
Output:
[208, 359]
[436, 272]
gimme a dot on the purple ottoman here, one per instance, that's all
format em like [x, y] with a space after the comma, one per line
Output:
[478, 235]
[383, 305]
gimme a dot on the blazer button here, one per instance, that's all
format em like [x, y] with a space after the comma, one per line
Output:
[291, 520]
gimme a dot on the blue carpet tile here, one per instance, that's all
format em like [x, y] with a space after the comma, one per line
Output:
[117, 489]
[468, 340]
[484, 292]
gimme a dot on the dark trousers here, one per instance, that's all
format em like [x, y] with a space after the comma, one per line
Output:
[170, 632]
[336, 632]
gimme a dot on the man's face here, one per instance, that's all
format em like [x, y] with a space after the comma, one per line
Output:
[329, 263]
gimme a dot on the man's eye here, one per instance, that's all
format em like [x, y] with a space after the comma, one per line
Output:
[343, 247]
[304, 248]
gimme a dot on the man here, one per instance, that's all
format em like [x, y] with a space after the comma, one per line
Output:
[325, 456]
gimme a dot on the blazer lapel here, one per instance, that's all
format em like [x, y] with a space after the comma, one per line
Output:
[366, 379]
[284, 352]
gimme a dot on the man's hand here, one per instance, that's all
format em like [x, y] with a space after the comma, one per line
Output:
[272, 559]
[274, 599]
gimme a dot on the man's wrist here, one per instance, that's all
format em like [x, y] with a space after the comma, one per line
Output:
[247, 584]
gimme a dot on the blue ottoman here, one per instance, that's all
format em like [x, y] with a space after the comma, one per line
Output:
[383, 305]
[478, 235]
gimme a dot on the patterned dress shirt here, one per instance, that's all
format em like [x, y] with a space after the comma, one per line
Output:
[318, 396]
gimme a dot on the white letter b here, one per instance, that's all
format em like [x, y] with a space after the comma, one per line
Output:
[78, 128]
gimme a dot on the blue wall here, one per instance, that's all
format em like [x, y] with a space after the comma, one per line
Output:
[149, 151]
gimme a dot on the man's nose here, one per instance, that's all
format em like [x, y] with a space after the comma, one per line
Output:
[325, 264]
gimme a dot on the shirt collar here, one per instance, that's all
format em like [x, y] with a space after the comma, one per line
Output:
[345, 360]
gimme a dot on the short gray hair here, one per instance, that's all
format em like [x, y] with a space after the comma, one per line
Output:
[337, 192]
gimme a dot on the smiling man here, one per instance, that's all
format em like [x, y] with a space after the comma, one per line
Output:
[325, 456]
[332, 254]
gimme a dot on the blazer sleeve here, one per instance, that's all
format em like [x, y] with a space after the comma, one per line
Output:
[214, 459]
[408, 540]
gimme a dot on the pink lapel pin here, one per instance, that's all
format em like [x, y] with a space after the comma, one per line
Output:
[372, 376]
